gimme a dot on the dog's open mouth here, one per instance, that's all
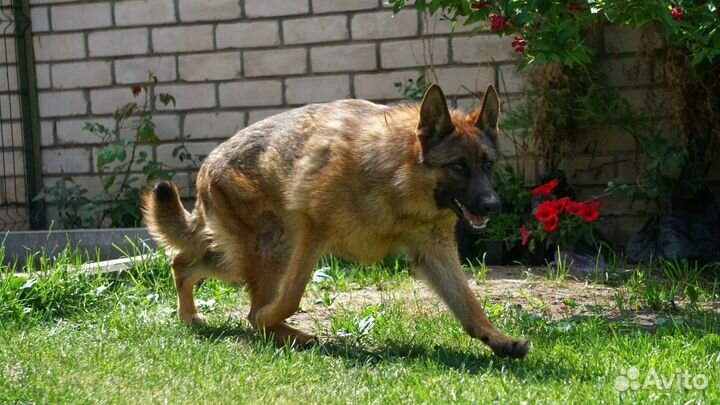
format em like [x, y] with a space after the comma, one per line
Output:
[475, 222]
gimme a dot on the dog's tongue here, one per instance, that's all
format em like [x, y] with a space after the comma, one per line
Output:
[475, 220]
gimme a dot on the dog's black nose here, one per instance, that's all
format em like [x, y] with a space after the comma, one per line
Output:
[490, 203]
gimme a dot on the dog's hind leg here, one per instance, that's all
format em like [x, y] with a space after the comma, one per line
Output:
[186, 274]
[305, 254]
[437, 261]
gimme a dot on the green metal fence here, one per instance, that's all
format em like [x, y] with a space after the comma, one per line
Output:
[20, 160]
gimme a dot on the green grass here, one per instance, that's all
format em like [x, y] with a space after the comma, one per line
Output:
[68, 338]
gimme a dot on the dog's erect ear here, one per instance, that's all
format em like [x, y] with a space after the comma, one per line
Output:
[486, 117]
[435, 121]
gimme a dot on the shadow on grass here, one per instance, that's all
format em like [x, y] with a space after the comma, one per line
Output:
[362, 354]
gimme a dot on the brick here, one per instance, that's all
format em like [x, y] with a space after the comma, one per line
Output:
[465, 81]
[605, 140]
[259, 115]
[106, 101]
[167, 126]
[136, 70]
[343, 58]
[61, 103]
[429, 52]
[276, 62]
[211, 66]
[132, 41]
[248, 34]
[590, 170]
[214, 125]
[47, 132]
[40, 20]
[11, 133]
[7, 50]
[9, 82]
[183, 39]
[144, 12]
[81, 74]
[438, 25]
[12, 163]
[510, 80]
[625, 39]
[381, 86]
[40, 2]
[251, 93]
[483, 49]
[164, 152]
[10, 102]
[71, 131]
[330, 6]
[273, 8]
[55, 47]
[625, 72]
[316, 89]
[42, 75]
[81, 16]
[188, 96]
[209, 10]
[382, 25]
[315, 29]
[71, 160]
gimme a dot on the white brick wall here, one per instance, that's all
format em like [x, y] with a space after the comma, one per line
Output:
[81, 16]
[279, 62]
[251, 93]
[183, 39]
[144, 12]
[315, 29]
[231, 63]
[133, 41]
[209, 10]
[274, 8]
[213, 66]
[248, 34]
[343, 58]
[317, 89]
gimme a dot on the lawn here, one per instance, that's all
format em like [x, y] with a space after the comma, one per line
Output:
[631, 336]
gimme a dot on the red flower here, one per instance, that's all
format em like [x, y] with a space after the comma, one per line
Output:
[546, 189]
[480, 5]
[546, 211]
[552, 224]
[561, 204]
[497, 22]
[525, 235]
[676, 14]
[519, 44]
[590, 213]
[574, 208]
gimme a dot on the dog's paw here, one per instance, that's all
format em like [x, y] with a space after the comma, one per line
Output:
[193, 318]
[512, 348]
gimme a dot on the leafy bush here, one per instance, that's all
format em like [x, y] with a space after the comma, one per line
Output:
[117, 163]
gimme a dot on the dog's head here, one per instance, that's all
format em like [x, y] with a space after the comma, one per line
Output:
[461, 151]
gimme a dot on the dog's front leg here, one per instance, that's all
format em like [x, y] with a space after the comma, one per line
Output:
[437, 261]
[306, 253]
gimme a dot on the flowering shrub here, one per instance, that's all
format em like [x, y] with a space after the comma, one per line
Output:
[560, 221]
[554, 30]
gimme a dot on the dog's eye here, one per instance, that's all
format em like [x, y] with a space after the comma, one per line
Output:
[458, 167]
[489, 164]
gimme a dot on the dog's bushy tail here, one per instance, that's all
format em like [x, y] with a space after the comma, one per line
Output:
[168, 221]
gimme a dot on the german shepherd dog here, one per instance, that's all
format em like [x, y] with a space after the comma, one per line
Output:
[349, 178]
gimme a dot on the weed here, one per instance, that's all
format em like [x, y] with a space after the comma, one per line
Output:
[558, 273]
[479, 269]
